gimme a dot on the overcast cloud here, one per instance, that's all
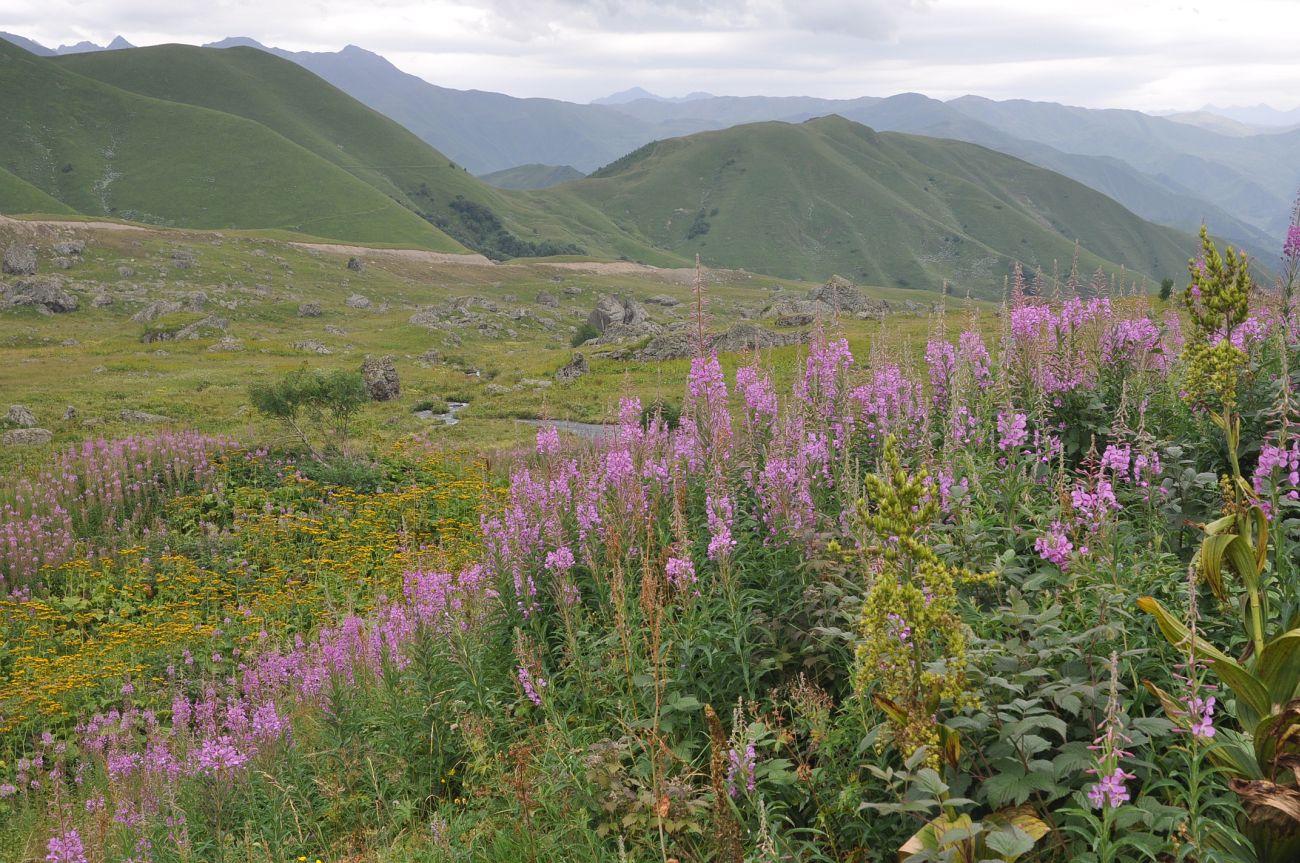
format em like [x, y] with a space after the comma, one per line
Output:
[1145, 54]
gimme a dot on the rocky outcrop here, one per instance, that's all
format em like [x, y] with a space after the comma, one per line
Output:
[664, 300]
[357, 301]
[573, 369]
[20, 416]
[18, 260]
[70, 249]
[838, 296]
[27, 437]
[356, 265]
[617, 311]
[47, 295]
[680, 344]
[380, 377]
[227, 344]
[311, 346]
[309, 310]
[544, 298]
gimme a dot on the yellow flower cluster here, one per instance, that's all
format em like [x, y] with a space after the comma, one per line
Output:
[126, 617]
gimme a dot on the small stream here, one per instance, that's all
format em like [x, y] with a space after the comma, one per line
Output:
[449, 418]
[590, 431]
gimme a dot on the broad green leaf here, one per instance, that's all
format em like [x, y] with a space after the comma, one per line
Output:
[1010, 842]
[1252, 698]
[1278, 667]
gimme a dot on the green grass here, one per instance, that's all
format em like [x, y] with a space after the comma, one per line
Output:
[95, 359]
[102, 151]
[532, 176]
[19, 196]
[826, 196]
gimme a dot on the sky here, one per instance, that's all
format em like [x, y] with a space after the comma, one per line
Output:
[1154, 55]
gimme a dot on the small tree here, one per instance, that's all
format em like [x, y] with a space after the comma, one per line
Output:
[585, 333]
[305, 397]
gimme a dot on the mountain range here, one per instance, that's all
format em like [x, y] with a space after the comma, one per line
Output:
[237, 137]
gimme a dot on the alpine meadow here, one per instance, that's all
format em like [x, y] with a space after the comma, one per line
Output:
[428, 454]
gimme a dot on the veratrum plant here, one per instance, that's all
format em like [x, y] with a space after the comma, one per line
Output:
[1263, 761]
[912, 656]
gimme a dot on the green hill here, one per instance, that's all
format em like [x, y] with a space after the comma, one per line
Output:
[523, 177]
[19, 196]
[103, 151]
[830, 196]
[295, 103]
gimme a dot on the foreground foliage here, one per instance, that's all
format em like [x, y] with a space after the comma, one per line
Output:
[882, 610]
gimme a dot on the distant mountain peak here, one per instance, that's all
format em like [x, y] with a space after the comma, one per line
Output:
[237, 42]
[85, 47]
[634, 94]
[26, 44]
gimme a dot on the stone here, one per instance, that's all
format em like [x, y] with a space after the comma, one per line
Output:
[335, 331]
[496, 389]
[545, 298]
[132, 416]
[795, 319]
[664, 300]
[125, 272]
[573, 369]
[44, 294]
[357, 301]
[70, 249]
[311, 346]
[572, 291]
[380, 377]
[182, 259]
[611, 311]
[156, 310]
[356, 265]
[63, 263]
[27, 437]
[227, 344]
[102, 301]
[19, 260]
[20, 416]
[749, 337]
[308, 310]
[69, 414]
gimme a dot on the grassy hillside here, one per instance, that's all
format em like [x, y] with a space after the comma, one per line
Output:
[19, 196]
[532, 176]
[833, 196]
[106, 152]
[300, 106]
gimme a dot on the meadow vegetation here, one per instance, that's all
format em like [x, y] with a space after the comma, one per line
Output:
[994, 583]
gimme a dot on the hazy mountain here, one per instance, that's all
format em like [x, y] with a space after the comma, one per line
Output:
[26, 44]
[1258, 115]
[635, 93]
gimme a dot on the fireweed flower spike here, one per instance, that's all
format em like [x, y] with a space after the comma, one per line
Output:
[1110, 790]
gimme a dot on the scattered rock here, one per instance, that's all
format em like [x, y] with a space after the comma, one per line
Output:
[573, 369]
[156, 310]
[496, 389]
[70, 249]
[99, 370]
[664, 300]
[69, 414]
[196, 301]
[63, 263]
[356, 265]
[617, 311]
[125, 272]
[19, 260]
[131, 416]
[430, 356]
[545, 298]
[102, 301]
[308, 310]
[335, 331]
[20, 416]
[357, 301]
[749, 337]
[46, 295]
[27, 437]
[795, 319]
[535, 383]
[311, 346]
[380, 377]
[227, 344]
[69, 343]
[572, 291]
[183, 259]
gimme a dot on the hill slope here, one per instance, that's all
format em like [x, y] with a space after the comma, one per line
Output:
[833, 196]
[300, 106]
[103, 151]
[19, 196]
[532, 176]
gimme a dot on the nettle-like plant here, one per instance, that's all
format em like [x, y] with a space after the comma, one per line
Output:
[1263, 761]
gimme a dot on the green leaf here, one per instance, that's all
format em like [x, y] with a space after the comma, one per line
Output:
[1278, 667]
[1010, 842]
[1252, 697]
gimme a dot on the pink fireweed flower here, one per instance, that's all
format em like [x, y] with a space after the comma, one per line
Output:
[531, 685]
[1055, 546]
[560, 560]
[719, 519]
[1291, 248]
[680, 572]
[1109, 789]
[548, 440]
[1012, 432]
[66, 847]
[740, 769]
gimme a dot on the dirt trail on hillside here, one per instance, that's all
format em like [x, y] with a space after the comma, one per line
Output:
[680, 275]
[409, 254]
[7, 222]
